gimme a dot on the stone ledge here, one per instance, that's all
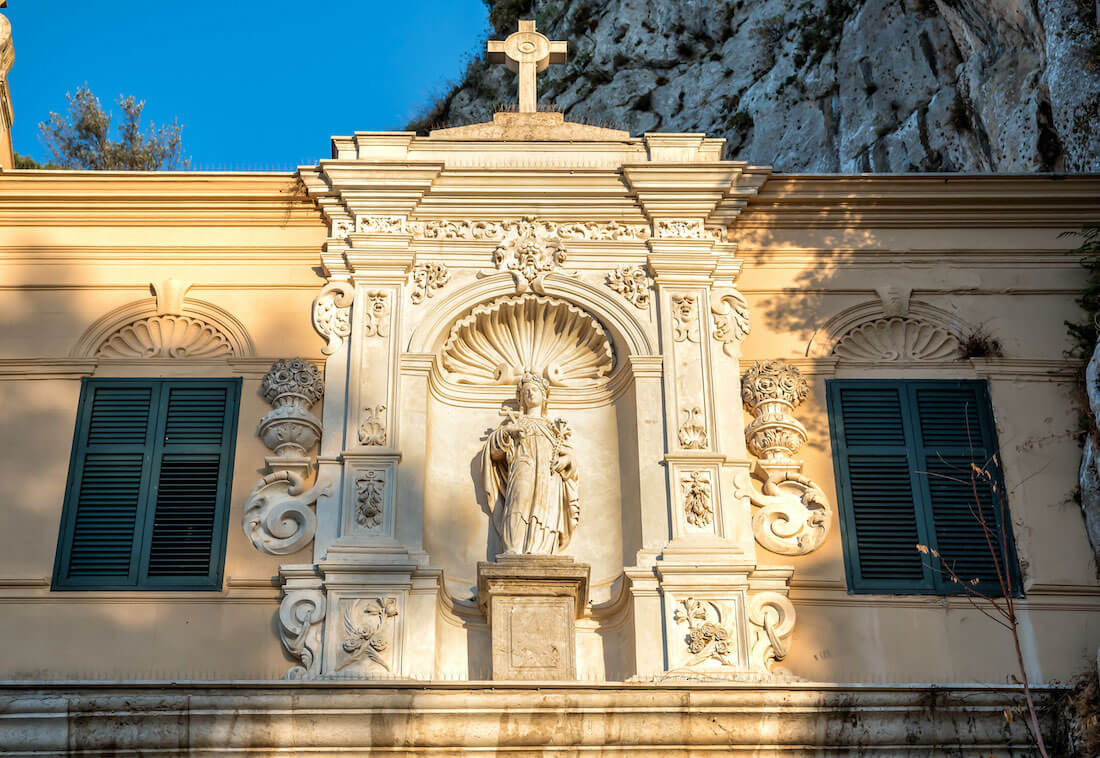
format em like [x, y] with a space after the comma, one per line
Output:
[417, 718]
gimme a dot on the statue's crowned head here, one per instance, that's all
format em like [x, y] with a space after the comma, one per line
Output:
[529, 385]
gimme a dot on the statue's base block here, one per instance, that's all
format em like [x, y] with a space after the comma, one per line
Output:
[532, 602]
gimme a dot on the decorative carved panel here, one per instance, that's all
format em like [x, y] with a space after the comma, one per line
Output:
[897, 339]
[499, 341]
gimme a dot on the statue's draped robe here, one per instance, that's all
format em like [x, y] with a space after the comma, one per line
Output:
[534, 509]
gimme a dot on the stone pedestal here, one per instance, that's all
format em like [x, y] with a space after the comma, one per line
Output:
[532, 602]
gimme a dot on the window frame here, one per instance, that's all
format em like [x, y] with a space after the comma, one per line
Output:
[137, 578]
[933, 581]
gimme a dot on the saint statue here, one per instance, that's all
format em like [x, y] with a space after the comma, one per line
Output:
[530, 475]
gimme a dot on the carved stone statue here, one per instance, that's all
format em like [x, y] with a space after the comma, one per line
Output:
[530, 475]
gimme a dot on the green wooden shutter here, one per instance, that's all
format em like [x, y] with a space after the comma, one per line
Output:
[107, 484]
[148, 496]
[956, 433]
[903, 452]
[879, 520]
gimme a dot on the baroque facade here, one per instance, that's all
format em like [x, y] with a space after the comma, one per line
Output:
[532, 415]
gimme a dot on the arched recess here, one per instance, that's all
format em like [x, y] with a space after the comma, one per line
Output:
[627, 337]
[869, 333]
[154, 328]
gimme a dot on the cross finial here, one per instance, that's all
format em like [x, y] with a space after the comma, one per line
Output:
[527, 52]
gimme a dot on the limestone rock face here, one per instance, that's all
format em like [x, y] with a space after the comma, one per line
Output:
[825, 85]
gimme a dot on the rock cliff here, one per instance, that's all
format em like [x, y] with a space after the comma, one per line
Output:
[822, 85]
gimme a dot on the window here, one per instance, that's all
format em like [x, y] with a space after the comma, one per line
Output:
[148, 493]
[903, 452]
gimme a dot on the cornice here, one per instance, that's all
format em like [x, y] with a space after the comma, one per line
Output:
[923, 200]
[141, 198]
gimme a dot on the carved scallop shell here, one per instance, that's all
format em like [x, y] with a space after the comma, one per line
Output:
[897, 339]
[166, 337]
[498, 341]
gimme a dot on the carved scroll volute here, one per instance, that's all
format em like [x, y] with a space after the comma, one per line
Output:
[332, 314]
[794, 515]
[300, 617]
[772, 617]
[277, 517]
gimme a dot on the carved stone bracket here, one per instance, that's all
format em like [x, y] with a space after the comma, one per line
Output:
[794, 515]
[277, 517]
[771, 390]
[300, 617]
[332, 314]
[772, 617]
[730, 312]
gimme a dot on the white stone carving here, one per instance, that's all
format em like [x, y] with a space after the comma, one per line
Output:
[426, 279]
[685, 318]
[376, 317]
[794, 516]
[332, 314]
[292, 386]
[499, 341]
[693, 432]
[530, 476]
[771, 390]
[300, 615]
[633, 283]
[370, 498]
[680, 229]
[372, 430]
[772, 617]
[166, 336]
[380, 225]
[529, 251]
[698, 507]
[730, 312]
[495, 230]
[277, 516]
[367, 631]
[342, 227]
[897, 339]
[708, 635]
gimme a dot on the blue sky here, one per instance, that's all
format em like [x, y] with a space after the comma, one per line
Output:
[257, 85]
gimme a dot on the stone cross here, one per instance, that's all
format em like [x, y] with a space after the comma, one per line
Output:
[527, 52]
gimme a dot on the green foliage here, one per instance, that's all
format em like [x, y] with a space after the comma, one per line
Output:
[741, 122]
[979, 343]
[821, 30]
[504, 14]
[1084, 333]
[960, 113]
[769, 34]
[25, 161]
[82, 139]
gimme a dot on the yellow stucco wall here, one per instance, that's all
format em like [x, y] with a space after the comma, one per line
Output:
[75, 246]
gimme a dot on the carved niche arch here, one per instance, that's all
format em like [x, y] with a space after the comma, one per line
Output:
[876, 332]
[583, 335]
[169, 325]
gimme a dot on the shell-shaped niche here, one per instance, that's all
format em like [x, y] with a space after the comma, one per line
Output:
[897, 339]
[498, 341]
[166, 336]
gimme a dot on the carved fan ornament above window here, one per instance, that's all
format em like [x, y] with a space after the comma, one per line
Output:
[167, 326]
[496, 342]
